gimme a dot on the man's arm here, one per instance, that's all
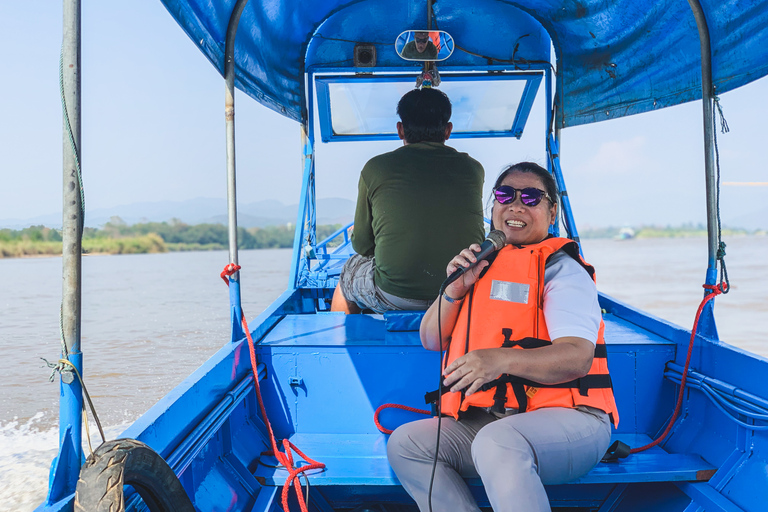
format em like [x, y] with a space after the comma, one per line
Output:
[362, 235]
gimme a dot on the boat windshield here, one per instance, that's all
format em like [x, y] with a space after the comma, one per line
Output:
[364, 108]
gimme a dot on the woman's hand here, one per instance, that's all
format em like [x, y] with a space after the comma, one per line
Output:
[472, 370]
[464, 259]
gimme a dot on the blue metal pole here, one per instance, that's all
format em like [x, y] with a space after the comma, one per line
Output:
[306, 186]
[565, 202]
[66, 467]
[229, 115]
[707, 325]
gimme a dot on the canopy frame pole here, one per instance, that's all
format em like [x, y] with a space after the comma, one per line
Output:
[707, 96]
[229, 116]
[707, 324]
[67, 464]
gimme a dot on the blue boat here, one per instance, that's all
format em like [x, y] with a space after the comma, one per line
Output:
[332, 66]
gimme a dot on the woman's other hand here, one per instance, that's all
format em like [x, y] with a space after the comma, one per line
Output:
[471, 371]
[464, 259]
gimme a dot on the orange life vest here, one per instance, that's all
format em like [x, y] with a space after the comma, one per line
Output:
[505, 309]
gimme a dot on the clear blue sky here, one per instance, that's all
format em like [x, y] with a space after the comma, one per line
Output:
[153, 130]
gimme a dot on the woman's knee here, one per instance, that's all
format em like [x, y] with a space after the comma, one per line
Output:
[405, 443]
[495, 447]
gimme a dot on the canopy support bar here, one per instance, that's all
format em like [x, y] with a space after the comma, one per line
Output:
[707, 324]
[229, 115]
[709, 127]
[68, 461]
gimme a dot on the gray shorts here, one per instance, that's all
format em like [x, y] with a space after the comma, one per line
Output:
[357, 284]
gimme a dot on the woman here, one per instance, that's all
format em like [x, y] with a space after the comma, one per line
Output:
[529, 400]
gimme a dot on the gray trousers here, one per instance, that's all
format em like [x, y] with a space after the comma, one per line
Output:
[514, 456]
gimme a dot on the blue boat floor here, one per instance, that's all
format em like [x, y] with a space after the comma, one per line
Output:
[361, 459]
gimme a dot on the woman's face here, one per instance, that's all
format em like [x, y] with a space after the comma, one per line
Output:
[523, 225]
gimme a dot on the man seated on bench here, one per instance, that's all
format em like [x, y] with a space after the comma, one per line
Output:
[417, 206]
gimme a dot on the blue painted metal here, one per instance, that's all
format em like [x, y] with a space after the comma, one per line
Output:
[515, 130]
[307, 192]
[235, 310]
[704, 495]
[66, 467]
[553, 148]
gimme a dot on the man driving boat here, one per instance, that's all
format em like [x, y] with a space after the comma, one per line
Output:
[417, 206]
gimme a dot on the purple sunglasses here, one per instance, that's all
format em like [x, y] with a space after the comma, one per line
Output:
[528, 196]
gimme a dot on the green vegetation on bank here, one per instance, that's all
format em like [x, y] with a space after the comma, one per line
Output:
[683, 231]
[117, 237]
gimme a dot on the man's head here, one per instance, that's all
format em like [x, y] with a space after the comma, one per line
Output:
[424, 116]
[421, 39]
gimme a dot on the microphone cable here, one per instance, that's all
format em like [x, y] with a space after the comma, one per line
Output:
[439, 389]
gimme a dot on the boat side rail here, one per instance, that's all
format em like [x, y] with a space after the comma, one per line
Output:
[730, 400]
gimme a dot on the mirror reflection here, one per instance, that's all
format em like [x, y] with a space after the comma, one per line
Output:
[424, 45]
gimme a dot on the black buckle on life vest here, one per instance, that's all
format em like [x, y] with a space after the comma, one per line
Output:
[500, 396]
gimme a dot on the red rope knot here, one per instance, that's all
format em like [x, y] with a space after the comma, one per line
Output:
[384, 430]
[229, 270]
[716, 289]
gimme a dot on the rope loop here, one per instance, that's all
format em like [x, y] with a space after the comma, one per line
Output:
[229, 270]
[385, 430]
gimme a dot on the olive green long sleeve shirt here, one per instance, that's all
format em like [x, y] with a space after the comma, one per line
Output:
[417, 207]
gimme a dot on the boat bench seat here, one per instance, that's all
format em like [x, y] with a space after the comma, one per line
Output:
[361, 459]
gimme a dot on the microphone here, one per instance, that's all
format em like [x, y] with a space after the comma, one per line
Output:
[493, 242]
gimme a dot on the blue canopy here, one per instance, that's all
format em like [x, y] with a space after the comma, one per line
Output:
[613, 58]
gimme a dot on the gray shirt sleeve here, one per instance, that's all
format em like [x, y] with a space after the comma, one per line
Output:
[570, 299]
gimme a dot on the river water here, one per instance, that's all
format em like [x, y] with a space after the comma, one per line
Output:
[149, 320]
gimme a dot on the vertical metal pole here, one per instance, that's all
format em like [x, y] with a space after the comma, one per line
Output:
[709, 148]
[707, 325]
[67, 464]
[229, 116]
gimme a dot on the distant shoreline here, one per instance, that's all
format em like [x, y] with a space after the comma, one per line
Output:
[152, 238]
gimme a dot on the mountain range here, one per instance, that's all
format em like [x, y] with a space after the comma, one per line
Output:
[199, 211]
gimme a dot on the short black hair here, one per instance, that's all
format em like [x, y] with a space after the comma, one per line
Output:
[425, 114]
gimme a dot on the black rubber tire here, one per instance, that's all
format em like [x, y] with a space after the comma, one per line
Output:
[128, 462]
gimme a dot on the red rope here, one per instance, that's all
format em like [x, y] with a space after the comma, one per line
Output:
[228, 271]
[715, 291]
[285, 458]
[395, 406]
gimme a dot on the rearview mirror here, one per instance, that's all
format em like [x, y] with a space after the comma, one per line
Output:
[424, 45]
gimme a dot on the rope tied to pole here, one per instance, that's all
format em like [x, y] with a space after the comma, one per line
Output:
[285, 458]
[229, 271]
[723, 123]
[714, 291]
[58, 367]
[724, 283]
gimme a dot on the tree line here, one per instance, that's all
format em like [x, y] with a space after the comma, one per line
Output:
[118, 237]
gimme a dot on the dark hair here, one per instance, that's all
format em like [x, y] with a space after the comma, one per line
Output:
[425, 114]
[544, 175]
